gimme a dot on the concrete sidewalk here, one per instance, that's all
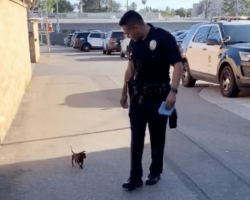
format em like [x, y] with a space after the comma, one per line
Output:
[72, 102]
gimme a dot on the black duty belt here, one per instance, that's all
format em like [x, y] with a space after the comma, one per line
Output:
[148, 90]
[145, 89]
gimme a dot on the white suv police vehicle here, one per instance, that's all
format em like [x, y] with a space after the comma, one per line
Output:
[88, 40]
[218, 52]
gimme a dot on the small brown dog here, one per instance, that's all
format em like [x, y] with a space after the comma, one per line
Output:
[78, 157]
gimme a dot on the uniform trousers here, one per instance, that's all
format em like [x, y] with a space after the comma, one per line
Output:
[140, 116]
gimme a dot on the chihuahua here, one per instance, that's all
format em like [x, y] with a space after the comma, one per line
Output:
[78, 157]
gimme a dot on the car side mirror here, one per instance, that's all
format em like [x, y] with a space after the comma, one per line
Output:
[213, 42]
[227, 38]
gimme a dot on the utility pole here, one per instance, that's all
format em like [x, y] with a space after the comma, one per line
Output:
[48, 35]
[127, 5]
[236, 10]
[112, 6]
[81, 6]
[57, 26]
[41, 34]
[206, 10]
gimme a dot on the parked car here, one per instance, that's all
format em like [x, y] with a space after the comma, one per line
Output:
[218, 52]
[112, 42]
[180, 38]
[71, 41]
[86, 41]
[68, 40]
[178, 33]
[124, 46]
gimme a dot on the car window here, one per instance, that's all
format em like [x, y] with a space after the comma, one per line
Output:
[183, 35]
[238, 33]
[103, 36]
[214, 34]
[95, 35]
[82, 35]
[201, 35]
[118, 35]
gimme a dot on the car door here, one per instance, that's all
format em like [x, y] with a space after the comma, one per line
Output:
[95, 39]
[124, 43]
[195, 52]
[106, 40]
[212, 51]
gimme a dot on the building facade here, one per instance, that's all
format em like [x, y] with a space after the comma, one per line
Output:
[15, 59]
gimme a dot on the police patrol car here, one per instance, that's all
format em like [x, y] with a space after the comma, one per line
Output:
[88, 40]
[218, 52]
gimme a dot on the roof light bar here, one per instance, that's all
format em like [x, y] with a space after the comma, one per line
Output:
[229, 18]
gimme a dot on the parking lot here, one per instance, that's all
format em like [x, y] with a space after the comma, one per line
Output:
[73, 100]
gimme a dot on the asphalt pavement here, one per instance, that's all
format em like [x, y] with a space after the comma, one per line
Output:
[73, 100]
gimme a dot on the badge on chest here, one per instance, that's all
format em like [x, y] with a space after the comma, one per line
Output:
[152, 45]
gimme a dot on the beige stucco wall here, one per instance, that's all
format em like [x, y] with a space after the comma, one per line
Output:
[15, 69]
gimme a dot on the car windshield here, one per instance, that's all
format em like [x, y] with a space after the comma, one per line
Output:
[238, 33]
[182, 36]
[117, 35]
[178, 33]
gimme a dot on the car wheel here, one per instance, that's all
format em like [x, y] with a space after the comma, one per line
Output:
[86, 48]
[107, 51]
[187, 79]
[228, 84]
[103, 50]
[122, 55]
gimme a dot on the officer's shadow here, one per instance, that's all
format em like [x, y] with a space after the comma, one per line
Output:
[104, 99]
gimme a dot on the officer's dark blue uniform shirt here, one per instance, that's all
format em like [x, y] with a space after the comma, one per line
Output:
[153, 55]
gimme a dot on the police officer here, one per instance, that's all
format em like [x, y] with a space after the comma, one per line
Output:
[151, 52]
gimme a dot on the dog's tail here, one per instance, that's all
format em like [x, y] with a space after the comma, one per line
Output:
[72, 150]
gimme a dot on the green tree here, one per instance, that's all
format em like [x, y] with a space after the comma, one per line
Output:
[88, 5]
[228, 6]
[41, 5]
[100, 6]
[115, 6]
[50, 4]
[63, 6]
[245, 7]
[172, 13]
[189, 12]
[168, 10]
[133, 6]
[181, 12]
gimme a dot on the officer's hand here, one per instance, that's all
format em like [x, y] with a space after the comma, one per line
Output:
[170, 101]
[124, 101]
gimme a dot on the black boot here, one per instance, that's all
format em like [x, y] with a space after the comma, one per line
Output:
[153, 179]
[132, 183]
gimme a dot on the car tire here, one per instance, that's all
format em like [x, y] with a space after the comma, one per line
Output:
[228, 86]
[108, 52]
[127, 52]
[104, 51]
[86, 47]
[122, 55]
[186, 78]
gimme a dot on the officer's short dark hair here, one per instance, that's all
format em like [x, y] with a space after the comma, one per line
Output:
[131, 18]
